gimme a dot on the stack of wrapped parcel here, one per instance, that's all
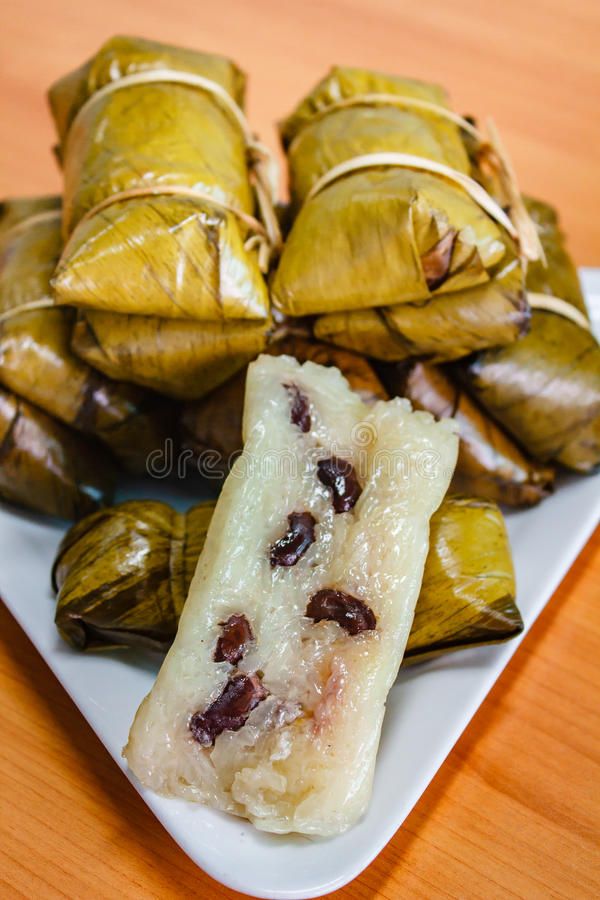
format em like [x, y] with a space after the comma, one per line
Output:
[418, 259]
[164, 251]
[545, 389]
[38, 366]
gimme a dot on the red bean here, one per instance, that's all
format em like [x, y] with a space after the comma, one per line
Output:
[229, 711]
[339, 475]
[299, 412]
[352, 614]
[235, 636]
[296, 541]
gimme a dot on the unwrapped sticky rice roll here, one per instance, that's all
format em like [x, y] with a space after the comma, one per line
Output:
[269, 705]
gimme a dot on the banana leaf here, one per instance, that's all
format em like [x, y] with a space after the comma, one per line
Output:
[363, 331]
[122, 577]
[468, 592]
[46, 467]
[181, 359]
[122, 574]
[36, 361]
[212, 427]
[168, 255]
[545, 389]
[490, 464]
[445, 328]
[559, 276]
[16, 209]
[396, 238]
[28, 253]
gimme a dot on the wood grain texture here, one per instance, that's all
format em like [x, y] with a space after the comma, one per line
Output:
[514, 811]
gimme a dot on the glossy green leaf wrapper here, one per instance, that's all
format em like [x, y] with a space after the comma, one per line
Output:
[122, 577]
[445, 328]
[489, 464]
[123, 574]
[212, 427]
[545, 389]
[36, 361]
[178, 358]
[167, 255]
[28, 252]
[422, 240]
[46, 467]
[17, 209]
[468, 592]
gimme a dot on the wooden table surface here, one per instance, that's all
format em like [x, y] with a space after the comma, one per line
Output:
[514, 810]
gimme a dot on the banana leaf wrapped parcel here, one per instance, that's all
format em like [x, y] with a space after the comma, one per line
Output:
[490, 464]
[30, 245]
[18, 209]
[545, 389]
[179, 358]
[378, 164]
[46, 467]
[122, 576]
[447, 327]
[468, 592]
[158, 186]
[36, 361]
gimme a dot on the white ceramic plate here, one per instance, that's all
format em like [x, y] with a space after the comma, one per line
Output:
[428, 708]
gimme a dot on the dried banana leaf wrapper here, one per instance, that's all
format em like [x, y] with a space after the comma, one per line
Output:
[122, 577]
[490, 464]
[559, 277]
[547, 392]
[316, 137]
[46, 467]
[363, 331]
[445, 328]
[386, 237]
[28, 252]
[123, 574]
[15, 210]
[168, 255]
[212, 427]
[181, 359]
[36, 361]
[468, 592]
[545, 389]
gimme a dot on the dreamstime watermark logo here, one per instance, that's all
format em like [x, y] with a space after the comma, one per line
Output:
[361, 452]
[169, 461]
